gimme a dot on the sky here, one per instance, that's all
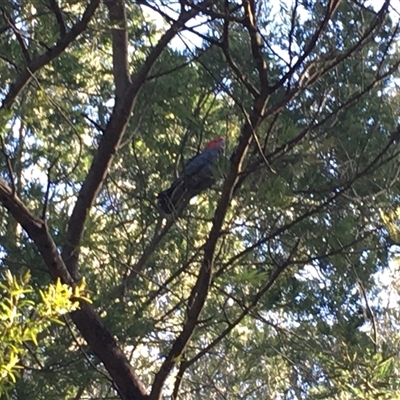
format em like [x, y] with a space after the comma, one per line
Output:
[190, 39]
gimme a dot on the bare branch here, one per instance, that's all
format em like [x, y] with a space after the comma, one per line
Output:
[17, 34]
[239, 74]
[58, 14]
[88, 322]
[178, 380]
[49, 182]
[148, 251]
[117, 13]
[335, 60]
[339, 191]
[331, 9]
[108, 145]
[8, 163]
[93, 122]
[37, 230]
[256, 42]
[247, 309]
[227, 15]
[293, 18]
[40, 61]
[200, 290]
[290, 144]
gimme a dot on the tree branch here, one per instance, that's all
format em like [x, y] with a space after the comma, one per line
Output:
[235, 68]
[331, 9]
[17, 34]
[37, 231]
[109, 144]
[58, 14]
[117, 12]
[88, 322]
[256, 42]
[200, 290]
[40, 61]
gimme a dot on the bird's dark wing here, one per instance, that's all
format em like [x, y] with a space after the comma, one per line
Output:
[200, 165]
[196, 176]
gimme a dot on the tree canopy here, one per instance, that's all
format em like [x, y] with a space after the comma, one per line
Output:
[281, 281]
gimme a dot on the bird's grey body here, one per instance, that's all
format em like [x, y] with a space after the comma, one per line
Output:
[197, 175]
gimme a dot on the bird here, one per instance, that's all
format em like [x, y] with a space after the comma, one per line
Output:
[197, 176]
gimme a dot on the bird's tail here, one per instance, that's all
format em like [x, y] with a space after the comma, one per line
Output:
[171, 199]
[164, 201]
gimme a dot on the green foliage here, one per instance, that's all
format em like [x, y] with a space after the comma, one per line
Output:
[24, 316]
[295, 309]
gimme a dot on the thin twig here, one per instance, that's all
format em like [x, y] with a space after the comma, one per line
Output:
[59, 17]
[17, 34]
[49, 182]
[8, 163]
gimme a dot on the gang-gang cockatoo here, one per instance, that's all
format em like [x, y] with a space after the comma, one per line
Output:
[197, 175]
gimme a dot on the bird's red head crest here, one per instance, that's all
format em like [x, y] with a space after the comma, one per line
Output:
[216, 143]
